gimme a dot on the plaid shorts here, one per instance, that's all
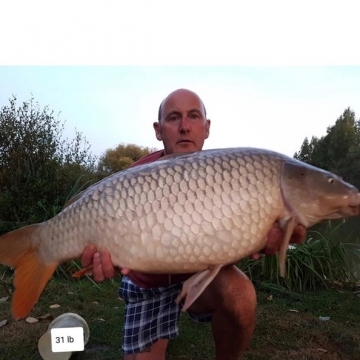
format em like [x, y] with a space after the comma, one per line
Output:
[150, 315]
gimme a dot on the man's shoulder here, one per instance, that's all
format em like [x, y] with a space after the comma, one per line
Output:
[149, 158]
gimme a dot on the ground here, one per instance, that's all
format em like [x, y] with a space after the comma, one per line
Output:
[288, 324]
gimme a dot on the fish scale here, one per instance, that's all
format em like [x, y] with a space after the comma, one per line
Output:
[186, 213]
[190, 213]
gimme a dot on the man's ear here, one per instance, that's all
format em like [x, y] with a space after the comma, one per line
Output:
[207, 128]
[157, 129]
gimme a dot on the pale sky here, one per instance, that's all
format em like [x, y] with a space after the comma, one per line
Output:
[269, 74]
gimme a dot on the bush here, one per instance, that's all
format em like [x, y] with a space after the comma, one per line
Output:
[38, 168]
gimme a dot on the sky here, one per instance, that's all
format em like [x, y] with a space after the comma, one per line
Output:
[269, 74]
[269, 107]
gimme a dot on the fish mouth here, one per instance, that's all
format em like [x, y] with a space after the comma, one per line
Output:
[351, 210]
[354, 205]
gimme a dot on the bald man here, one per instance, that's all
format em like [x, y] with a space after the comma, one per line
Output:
[229, 301]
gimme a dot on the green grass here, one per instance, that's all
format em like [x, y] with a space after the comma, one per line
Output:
[319, 261]
[280, 333]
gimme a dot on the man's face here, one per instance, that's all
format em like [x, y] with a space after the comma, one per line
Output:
[183, 126]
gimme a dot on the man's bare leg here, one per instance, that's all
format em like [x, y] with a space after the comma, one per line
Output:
[156, 352]
[231, 298]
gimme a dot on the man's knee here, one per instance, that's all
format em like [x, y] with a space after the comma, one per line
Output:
[231, 288]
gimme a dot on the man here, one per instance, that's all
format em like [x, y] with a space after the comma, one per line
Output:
[229, 301]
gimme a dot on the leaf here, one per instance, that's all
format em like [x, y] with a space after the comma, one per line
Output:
[100, 319]
[270, 298]
[3, 323]
[46, 317]
[324, 318]
[293, 310]
[55, 306]
[31, 320]
[95, 302]
[3, 299]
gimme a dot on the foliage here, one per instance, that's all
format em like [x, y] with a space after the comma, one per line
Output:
[317, 261]
[338, 151]
[38, 168]
[120, 158]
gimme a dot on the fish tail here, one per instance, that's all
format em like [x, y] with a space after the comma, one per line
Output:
[19, 249]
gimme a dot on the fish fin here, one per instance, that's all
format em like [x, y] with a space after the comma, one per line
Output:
[74, 198]
[194, 286]
[84, 271]
[295, 191]
[17, 250]
[289, 228]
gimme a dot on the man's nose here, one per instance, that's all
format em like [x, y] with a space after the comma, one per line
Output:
[184, 124]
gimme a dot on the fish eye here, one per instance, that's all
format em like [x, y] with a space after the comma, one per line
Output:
[331, 180]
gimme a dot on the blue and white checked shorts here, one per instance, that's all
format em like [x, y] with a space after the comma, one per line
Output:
[150, 315]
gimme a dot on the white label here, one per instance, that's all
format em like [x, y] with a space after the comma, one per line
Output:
[67, 339]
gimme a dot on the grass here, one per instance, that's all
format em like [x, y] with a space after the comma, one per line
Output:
[281, 332]
[318, 261]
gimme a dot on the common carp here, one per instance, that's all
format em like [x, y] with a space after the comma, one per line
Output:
[193, 212]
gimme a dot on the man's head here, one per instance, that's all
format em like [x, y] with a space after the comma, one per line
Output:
[182, 125]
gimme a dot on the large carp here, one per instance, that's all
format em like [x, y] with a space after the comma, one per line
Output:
[192, 212]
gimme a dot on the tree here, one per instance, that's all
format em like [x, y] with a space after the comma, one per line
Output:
[314, 152]
[338, 151]
[38, 168]
[121, 157]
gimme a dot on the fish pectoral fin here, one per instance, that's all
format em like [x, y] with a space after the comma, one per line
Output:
[288, 228]
[88, 270]
[194, 286]
[31, 274]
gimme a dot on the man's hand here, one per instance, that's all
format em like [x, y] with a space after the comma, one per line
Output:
[103, 267]
[275, 238]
